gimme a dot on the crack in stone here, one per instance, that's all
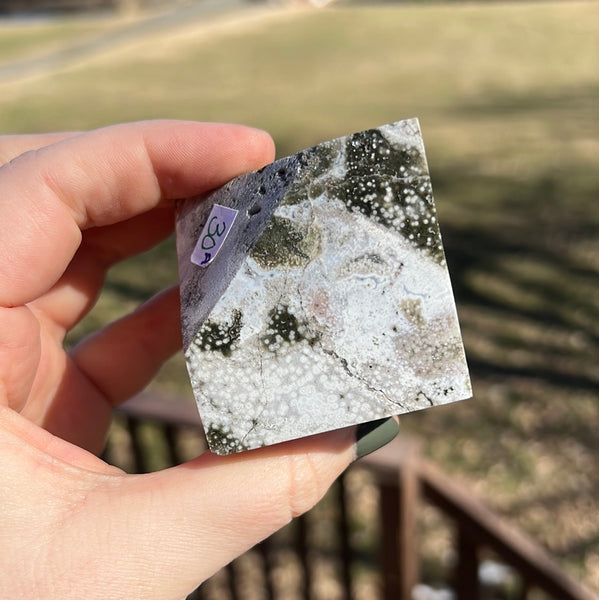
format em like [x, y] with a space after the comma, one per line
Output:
[257, 419]
[421, 393]
[353, 375]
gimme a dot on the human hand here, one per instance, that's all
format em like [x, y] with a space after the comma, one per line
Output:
[72, 526]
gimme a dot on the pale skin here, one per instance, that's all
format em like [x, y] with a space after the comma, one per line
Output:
[72, 526]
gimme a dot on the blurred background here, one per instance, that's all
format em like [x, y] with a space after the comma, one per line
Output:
[508, 100]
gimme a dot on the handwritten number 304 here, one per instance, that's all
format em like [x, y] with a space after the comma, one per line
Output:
[214, 230]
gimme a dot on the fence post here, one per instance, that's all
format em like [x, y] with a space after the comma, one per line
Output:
[466, 575]
[399, 502]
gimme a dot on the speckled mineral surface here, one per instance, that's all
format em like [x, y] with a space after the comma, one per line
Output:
[315, 293]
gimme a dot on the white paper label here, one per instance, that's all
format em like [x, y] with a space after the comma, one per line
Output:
[213, 235]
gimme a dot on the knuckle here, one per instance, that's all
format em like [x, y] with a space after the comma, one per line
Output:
[306, 485]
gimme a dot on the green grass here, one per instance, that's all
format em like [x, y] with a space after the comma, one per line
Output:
[507, 97]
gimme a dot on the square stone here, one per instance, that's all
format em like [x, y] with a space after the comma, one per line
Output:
[318, 295]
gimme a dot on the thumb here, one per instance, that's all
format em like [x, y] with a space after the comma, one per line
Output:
[171, 530]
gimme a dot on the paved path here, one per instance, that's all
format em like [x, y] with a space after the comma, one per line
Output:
[196, 10]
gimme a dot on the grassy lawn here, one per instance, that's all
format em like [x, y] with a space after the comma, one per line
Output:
[28, 40]
[508, 101]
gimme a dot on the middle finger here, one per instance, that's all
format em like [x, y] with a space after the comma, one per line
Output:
[76, 292]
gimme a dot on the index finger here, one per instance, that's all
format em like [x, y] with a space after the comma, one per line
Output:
[103, 177]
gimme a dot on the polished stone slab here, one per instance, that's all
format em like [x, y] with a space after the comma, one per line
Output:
[318, 295]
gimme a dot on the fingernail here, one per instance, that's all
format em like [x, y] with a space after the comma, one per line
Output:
[374, 435]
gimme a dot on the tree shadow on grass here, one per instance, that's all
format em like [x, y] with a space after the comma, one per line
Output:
[524, 263]
[539, 270]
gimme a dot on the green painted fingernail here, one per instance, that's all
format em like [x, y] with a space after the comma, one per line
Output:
[374, 435]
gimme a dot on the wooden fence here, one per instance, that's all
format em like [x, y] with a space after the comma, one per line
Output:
[405, 483]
